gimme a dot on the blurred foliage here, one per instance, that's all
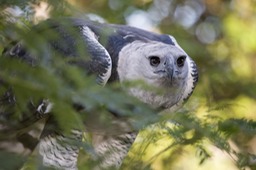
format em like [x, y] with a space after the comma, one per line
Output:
[220, 115]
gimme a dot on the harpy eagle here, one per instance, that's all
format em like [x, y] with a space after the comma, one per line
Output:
[117, 53]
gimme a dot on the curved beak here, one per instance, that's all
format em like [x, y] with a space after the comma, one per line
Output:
[169, 68]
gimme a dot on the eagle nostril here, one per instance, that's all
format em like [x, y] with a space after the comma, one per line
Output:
[180, 61]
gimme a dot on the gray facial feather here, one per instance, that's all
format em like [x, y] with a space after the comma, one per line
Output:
[134, 65]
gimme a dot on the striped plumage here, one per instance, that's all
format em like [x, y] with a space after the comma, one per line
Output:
[112, 151]
[59, 152]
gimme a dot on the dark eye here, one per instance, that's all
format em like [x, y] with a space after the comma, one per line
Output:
[154, 61]
[180, 61]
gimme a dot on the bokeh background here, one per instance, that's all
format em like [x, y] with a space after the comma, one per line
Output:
[220, 35]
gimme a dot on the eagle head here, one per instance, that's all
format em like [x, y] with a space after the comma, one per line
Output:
[167, 70]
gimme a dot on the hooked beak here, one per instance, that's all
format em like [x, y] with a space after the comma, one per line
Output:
[167, 70]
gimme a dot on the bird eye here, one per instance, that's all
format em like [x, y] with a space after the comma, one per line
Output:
[154, 61]
[180, 61]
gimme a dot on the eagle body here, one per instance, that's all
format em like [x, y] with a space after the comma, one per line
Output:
[113, 53]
